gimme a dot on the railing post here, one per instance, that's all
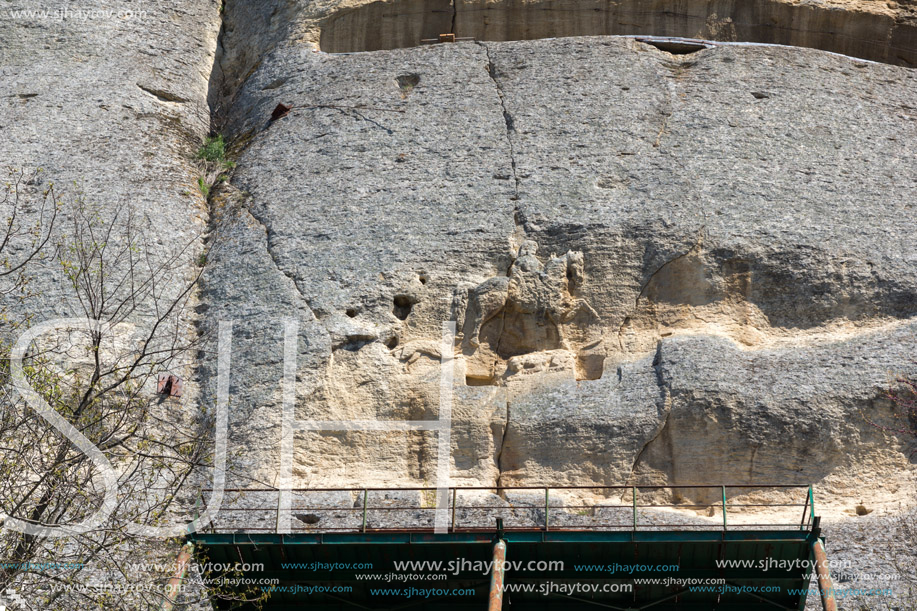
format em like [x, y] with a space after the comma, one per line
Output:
[635, 507]
[805, 510]
[453, 509]
[546, 508]
[811, 504]
[363, 526]
[724, 507]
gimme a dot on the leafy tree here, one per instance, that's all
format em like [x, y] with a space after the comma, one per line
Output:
[101, 378]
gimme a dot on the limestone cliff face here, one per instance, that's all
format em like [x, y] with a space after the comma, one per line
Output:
[668, 268]
[109, 101]
[663, 268]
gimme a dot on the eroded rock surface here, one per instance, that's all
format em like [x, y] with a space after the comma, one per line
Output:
[663, 268]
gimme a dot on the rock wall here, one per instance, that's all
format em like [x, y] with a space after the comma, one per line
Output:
[663, 268]
[109, 101]
[668, 268]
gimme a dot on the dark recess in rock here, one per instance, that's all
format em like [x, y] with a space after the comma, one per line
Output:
[407, 82]
[403, 306]
[675, 47]
[308, 518]
[280, 111]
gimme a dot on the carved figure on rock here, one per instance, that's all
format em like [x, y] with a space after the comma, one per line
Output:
[485, 301]
[535, 302]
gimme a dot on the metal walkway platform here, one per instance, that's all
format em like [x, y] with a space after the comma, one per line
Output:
[559, 554]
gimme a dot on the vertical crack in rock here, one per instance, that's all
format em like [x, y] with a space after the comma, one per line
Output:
[216, 85]
[668, 108]
[507, 118]
[673, 73]
[665, 404]
[270, 251]
[454, 15]
[220, 102]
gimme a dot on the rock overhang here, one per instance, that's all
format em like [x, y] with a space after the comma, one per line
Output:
[872, 30]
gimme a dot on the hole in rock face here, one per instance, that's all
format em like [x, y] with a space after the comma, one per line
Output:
[407, 82]
[352, 313]
[354, 343]
[392, 342]
[404, 23]
[309, 518]
[675, 47]
[403, 306]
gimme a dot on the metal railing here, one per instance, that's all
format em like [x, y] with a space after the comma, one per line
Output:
[545, 508]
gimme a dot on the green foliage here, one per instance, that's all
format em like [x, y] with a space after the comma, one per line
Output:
[213, 162]
[213, 150]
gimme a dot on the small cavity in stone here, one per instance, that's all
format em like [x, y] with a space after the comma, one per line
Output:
[479, 381]
[407, 82]
[308, 518]
[403, 306]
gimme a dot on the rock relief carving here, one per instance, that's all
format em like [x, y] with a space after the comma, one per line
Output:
[534, 309]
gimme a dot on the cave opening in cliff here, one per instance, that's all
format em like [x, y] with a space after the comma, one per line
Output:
[405, 23]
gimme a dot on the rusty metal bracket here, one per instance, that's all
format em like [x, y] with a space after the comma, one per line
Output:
[280, 111]
[448, 37]
[169, 384]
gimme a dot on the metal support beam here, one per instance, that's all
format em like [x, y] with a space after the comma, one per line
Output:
[724, 507]
[496, 577]
[547, 508]
[182, 563]
[635, 508]
[825, 586]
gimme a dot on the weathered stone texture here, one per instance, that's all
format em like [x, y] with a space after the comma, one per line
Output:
[110, 100]
[748, 199]
[724, 276]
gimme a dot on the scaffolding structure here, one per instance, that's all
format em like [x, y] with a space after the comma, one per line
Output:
[684, 548]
